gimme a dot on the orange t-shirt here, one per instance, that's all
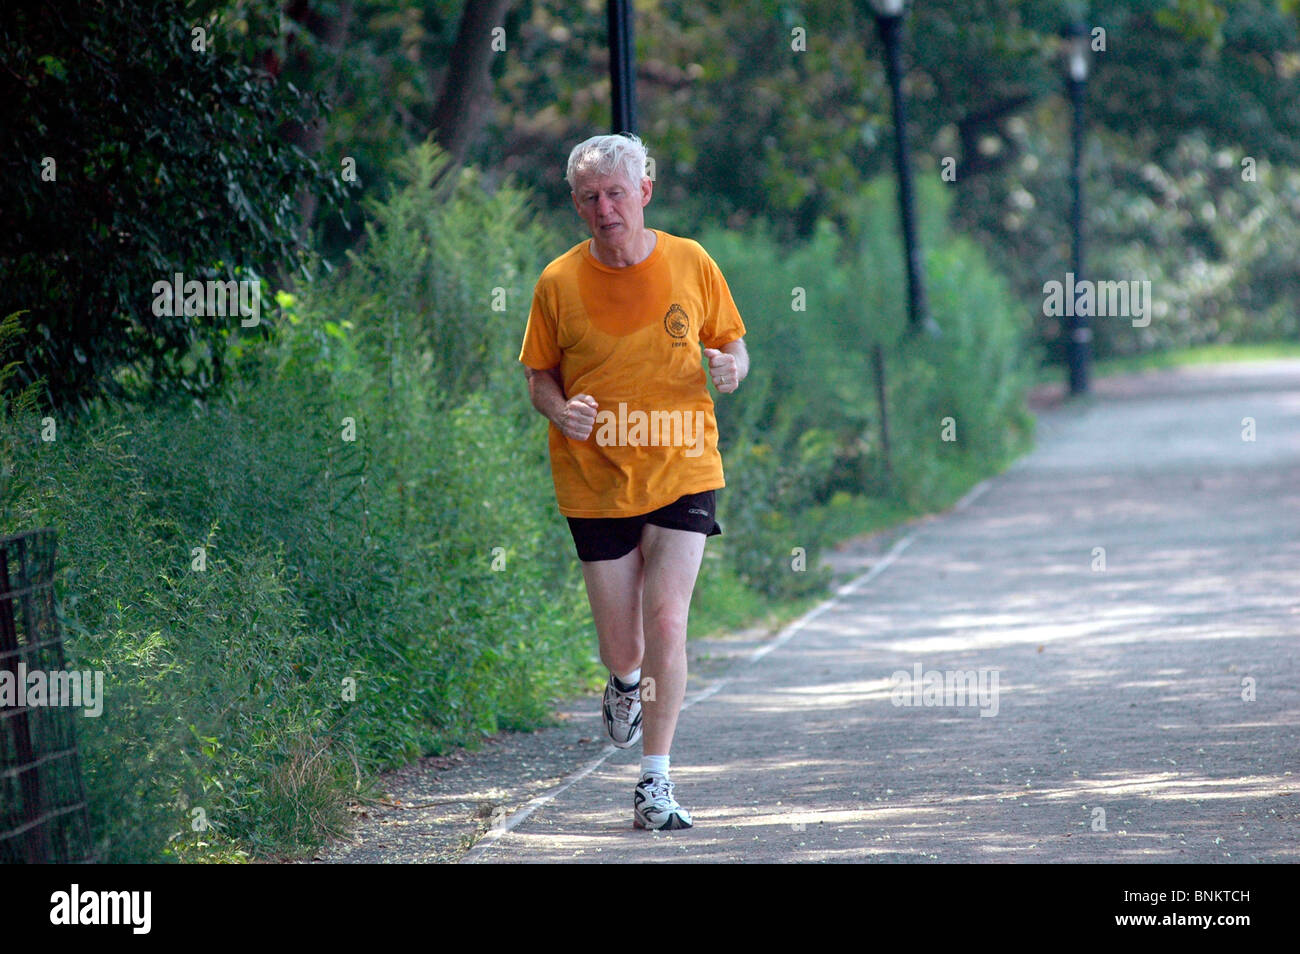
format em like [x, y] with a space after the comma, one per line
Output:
[631, 338]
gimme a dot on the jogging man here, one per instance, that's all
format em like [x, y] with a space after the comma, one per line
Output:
[613, 352]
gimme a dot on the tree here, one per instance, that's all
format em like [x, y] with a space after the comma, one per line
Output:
[458, 115]
[139, 146]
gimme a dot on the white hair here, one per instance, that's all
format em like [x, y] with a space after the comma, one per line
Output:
[603, 155]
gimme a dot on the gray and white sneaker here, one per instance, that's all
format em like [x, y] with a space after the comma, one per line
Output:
[654, 807]
[621, 712]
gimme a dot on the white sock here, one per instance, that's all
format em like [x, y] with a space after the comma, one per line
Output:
[631, 679]
[658, 764]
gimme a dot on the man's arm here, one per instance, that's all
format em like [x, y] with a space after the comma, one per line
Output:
[544, 390]
[728, 366]
[574, 417]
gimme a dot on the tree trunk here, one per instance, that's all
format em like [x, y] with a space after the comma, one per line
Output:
[460, 110]
[331, 33]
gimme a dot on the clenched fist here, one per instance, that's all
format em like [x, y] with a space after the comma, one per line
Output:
[723, 369]
[578, 417]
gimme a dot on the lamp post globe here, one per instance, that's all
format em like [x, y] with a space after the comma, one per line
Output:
[888, 8]
[1077, 51]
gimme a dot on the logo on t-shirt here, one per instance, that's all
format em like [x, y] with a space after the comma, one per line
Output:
[676, 323]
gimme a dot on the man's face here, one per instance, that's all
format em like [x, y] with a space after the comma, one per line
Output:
[612, 207]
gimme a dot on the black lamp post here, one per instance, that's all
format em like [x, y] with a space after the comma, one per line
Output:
[1078, 350]
[622, 78]
[889, 21]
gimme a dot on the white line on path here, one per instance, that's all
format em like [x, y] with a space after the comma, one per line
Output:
[519, 817]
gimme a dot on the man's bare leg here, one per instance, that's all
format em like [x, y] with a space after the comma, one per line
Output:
[672, 562]
[614, 593]
[640, 603]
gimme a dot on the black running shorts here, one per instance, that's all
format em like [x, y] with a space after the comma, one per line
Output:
[608, 538]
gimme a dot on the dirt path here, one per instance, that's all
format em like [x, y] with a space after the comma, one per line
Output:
[1122, 727]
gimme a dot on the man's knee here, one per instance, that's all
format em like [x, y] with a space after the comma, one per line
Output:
[667, 619]
[621, 659]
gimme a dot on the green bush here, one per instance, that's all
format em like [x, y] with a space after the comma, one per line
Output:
[114, 185]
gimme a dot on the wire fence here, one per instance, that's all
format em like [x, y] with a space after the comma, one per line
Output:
[43, 816]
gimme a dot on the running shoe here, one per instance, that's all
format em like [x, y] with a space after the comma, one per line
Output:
[622, 714]
[654, 807]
